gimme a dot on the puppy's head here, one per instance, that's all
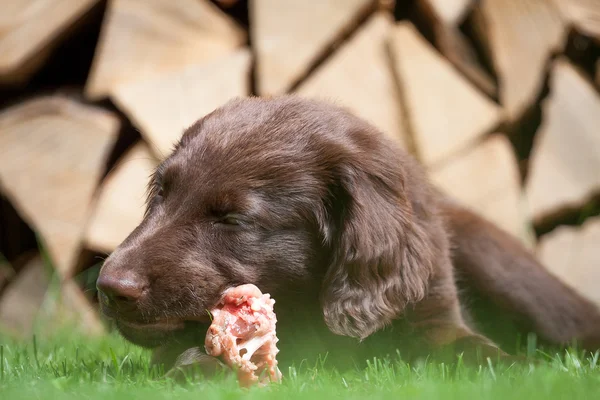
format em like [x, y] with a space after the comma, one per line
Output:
[284, 193]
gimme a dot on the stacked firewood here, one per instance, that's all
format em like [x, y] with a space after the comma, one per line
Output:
[499, 99]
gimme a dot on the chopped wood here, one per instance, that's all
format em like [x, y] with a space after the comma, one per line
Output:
[142, 38]
[53, 152]
[486, 179]
[573, 255]
[565, 158]
[7, 273]
[583, 14]
[521, 35]
[289, 36]
[449, 12]
[164, 106]
[121, 199]
[456, 48]
[66, 305]
[28, 30]
[22, 299]
[443, 19]
[445, 112]
[359, 76]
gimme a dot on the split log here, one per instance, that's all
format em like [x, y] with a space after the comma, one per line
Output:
[453, 44]
[565, 158]
[573, 255]
[289, 36]
[143, 38]
[7, 273]
[359, 76]
[35, 299]
[30, 29]
[444, 18]
[65, 305]
[53, 152]
[521, 35]
[444, 111]
[486, 179]
[448, 12]
[584, 15]
[121, 200]
[164, 106]
[21, 301]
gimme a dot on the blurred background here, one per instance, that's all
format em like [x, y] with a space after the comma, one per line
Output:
[499, 100]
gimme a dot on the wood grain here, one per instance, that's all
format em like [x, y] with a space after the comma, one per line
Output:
[121, 200]
[359, 76]
[28, 30]
[445, 112]
[521, 35]
[573, 254]
[144, 38]
[162, 107]
[565, 159]
[53, 152]
[289, 36]
[486, 179]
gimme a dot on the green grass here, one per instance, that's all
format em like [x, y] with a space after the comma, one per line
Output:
[74, 367]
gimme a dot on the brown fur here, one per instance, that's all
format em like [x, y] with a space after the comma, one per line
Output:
[318, 208]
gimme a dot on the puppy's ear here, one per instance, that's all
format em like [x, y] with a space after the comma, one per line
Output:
[383, 256]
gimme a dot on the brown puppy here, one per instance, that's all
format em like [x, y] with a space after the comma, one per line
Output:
[339, 225]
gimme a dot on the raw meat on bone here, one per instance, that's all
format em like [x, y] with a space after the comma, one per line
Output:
[243, 334]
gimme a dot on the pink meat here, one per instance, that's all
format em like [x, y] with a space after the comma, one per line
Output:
[243, 334]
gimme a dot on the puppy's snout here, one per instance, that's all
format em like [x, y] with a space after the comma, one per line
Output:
[120, 290]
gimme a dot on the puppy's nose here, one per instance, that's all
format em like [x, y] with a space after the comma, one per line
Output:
[120, 291]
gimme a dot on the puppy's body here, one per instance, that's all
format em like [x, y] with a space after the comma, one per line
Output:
[319, 209]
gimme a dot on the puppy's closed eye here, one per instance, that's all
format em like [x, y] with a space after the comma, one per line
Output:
[231, 221]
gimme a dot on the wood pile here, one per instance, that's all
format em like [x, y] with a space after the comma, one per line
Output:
[499, 99]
